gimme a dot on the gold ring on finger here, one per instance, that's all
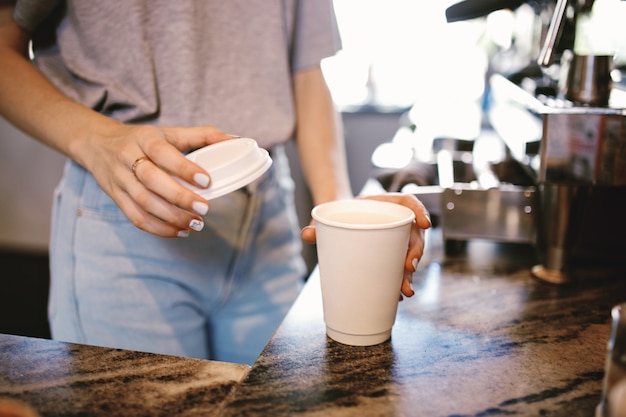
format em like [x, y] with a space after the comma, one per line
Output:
[136, 164]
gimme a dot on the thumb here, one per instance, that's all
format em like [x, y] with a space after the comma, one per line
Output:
[308, 234]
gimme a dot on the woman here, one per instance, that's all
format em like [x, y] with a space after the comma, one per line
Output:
[124, 89]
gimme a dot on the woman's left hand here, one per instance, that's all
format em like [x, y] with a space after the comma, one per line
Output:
[416, 240]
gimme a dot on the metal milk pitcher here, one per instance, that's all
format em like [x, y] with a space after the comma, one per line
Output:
[589, 80]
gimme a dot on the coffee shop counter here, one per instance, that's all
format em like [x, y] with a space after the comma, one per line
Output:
[49, 378]
[480, 337]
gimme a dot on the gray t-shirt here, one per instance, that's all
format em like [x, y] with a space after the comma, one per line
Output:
[183, 63]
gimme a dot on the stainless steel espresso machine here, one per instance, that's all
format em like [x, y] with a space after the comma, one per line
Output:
[562, 184]
[581, 171]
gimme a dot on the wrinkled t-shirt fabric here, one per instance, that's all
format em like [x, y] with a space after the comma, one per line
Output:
[183, 63]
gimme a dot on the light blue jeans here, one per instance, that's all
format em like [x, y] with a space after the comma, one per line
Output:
[218, 294]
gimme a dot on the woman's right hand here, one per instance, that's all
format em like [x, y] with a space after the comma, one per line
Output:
[150, 198]
[134, 166]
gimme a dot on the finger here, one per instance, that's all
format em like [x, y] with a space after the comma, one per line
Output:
[164, 185]
[407, 284]
[167, 156]
[422, 216]
[147, 222]
[416, 248]
[188, 138]
[166, 212]
[175, 205]
[308, 234]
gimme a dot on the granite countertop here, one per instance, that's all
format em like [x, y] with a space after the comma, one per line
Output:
[480, 337]
[61, 379]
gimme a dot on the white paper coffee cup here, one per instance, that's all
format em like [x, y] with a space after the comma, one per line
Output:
[361, 247]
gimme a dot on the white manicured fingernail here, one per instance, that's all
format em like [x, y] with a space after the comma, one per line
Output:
[414, 263]
[196, 224]
[202, 180]
[200, 207]
[183, 233]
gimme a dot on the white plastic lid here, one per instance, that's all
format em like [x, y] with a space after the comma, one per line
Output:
[232, 164]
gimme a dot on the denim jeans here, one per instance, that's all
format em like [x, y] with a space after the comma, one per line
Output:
[218, 294]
